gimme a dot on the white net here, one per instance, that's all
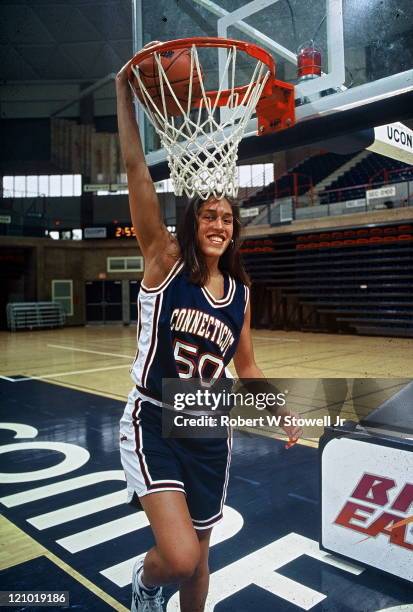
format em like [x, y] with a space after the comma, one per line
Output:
[202, 141]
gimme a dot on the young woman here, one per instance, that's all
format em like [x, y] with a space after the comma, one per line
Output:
[193, 317]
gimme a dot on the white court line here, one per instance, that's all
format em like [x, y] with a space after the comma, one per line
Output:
[58, 374]
[72, 348]
[76, 511]
[275, 339]
[7, 378]
[103, 533]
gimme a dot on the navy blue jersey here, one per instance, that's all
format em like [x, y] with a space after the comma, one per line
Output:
[184, 331]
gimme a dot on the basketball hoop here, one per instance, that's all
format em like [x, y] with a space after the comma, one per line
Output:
[202, 132]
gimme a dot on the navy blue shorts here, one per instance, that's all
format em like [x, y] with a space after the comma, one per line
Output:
[152, 463]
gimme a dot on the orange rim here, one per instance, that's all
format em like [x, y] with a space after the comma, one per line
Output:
[251, 49]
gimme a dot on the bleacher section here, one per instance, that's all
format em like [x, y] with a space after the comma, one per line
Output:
[34, 315]
[375, 169]
[356, 280]
[300, 179]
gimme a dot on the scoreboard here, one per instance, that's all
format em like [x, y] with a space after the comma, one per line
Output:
[124, 231]
[115, 231]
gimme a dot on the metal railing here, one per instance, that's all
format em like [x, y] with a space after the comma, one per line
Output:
[316, 205]
[389, 176]
[34, 315]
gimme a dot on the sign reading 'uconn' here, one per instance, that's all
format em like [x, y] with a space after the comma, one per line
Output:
[398, 135]
[394, 140]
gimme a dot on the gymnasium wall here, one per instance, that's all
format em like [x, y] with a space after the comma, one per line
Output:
[41, 100]
[25, 144]
[39, 145]
[29, 265]
[39, 261]
[31, 216]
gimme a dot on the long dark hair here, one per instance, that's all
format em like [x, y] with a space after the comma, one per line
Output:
[194, 262]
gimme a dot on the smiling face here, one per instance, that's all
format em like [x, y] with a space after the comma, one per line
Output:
[215, 227]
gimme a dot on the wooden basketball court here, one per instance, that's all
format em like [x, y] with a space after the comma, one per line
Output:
[97, 359]
[64, 390]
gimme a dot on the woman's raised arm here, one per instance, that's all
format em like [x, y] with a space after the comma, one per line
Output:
[151, 232]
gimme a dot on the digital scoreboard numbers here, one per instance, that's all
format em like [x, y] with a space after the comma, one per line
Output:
[116, 231]
[128, 231]
[125, 231]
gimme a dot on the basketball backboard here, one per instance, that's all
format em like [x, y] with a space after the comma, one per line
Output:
[366, 51]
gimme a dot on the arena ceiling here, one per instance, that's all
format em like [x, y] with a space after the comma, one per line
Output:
[84, 40]
[65, 41]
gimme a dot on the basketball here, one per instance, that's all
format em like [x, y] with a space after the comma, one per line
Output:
[177, 67]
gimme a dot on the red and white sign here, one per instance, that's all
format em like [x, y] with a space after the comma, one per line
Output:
[367, 504]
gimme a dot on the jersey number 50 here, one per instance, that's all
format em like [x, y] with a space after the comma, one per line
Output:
[191, 364]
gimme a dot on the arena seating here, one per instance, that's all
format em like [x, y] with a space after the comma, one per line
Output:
[353, 280]
[317, 167]
[375, 169]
